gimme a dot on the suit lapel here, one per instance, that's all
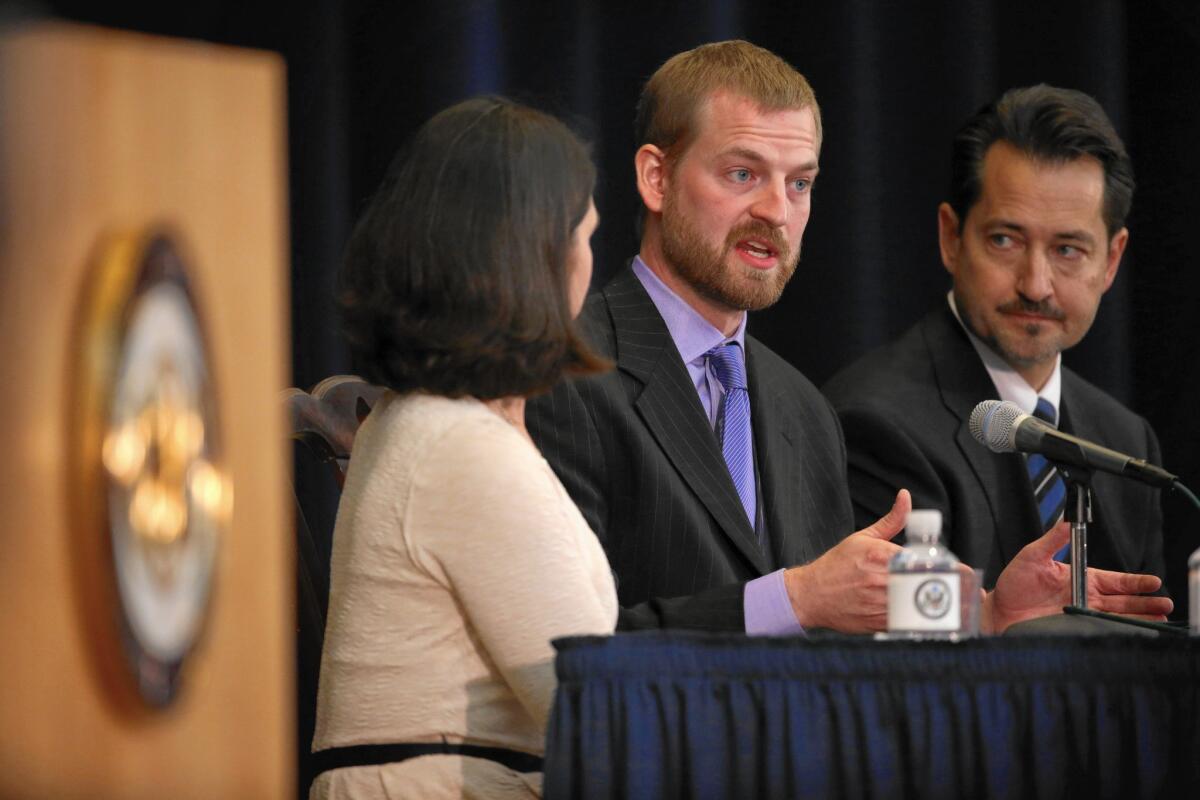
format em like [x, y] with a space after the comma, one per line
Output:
[776, 443]
[1076, 414]
[963, 382]
[1079, 417]
[670, 408]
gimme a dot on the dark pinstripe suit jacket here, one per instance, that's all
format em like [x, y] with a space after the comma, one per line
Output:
[905, 409]
[636, 452]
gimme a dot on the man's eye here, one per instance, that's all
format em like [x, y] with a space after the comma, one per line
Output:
[801, 184]
[740, 175]
[1001, 239]
[1068, 251]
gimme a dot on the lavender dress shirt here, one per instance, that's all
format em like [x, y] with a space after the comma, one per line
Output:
[766, 607]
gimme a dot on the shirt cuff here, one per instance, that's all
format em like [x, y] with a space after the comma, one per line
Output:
[767, 609]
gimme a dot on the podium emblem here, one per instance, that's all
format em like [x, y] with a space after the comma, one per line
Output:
[153, 496]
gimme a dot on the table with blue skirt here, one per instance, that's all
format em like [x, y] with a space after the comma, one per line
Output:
[656, 715]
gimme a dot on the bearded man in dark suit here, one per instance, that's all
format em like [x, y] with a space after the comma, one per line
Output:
[1033, 236]
[711, 470]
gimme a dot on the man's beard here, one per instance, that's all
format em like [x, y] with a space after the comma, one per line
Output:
[740, 287]
[1021, 351]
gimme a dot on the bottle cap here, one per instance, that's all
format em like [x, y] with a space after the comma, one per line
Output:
[924, 523]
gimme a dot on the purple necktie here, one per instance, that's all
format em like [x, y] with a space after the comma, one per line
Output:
[733, 422]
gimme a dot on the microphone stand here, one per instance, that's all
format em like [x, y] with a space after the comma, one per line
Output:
[1079, 513]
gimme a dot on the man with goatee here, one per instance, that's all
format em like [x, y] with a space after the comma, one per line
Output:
[1032, 235]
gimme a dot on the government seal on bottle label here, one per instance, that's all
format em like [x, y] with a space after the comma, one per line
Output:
[923, 602]
[932, 598]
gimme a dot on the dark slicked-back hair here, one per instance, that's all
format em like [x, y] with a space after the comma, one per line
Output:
[1047, 124]
[455, 278]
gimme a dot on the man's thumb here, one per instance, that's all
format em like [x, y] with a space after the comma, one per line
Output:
[1052, 540]
[891, 523]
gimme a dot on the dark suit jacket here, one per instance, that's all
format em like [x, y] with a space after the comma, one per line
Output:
[904, 409]
[637, 454]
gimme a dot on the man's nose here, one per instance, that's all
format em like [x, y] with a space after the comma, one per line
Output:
[771, 205]
[1035, 279]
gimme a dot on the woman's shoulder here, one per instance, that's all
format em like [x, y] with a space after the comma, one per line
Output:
[480, 472]
[427, 420]
[461, 436]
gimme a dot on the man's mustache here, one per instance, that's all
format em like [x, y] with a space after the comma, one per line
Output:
[761, 231]
[1041, 308]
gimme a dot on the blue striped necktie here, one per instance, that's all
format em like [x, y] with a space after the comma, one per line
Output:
[1049, 491]
[733, 422]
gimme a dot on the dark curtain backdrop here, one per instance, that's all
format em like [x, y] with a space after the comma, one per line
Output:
[894, 80]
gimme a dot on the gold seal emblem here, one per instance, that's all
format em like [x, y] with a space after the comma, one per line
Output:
[153, 497]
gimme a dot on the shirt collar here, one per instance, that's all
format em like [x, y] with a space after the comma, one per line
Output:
[693, 334]
[1009, 383]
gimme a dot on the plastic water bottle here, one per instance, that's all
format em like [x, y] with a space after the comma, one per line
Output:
[924, 583]
[1194, 592]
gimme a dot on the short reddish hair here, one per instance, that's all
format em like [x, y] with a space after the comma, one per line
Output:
[666, 111]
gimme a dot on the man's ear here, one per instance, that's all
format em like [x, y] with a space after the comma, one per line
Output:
[1116, 248]
[949, 236]
[650, 164]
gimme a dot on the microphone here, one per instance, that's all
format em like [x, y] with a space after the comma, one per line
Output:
[1004, 428]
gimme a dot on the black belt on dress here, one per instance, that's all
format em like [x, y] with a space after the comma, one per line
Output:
[366, 755]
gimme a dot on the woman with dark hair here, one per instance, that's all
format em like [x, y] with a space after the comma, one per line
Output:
[457, 554]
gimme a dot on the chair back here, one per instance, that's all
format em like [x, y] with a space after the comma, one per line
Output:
[324, 422]
[327, 418]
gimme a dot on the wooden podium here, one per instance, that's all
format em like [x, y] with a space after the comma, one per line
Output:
[112, 137]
